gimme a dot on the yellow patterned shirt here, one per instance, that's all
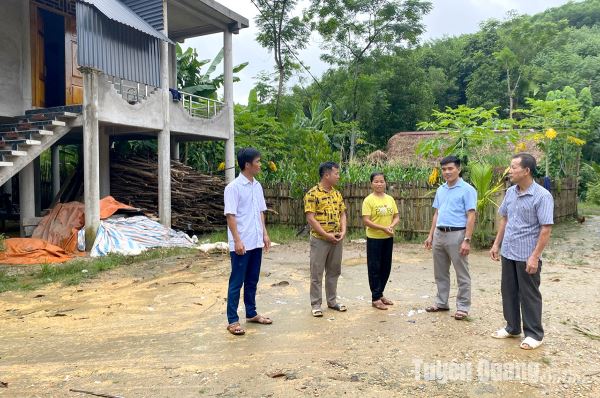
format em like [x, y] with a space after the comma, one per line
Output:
[327, 206]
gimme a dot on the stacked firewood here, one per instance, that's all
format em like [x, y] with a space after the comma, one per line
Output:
[196, 199]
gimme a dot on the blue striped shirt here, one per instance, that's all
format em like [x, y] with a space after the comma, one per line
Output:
[526, 212]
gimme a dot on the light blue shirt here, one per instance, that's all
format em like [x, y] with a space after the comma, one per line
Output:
[453, 203]
[525, 212]
[246, 201]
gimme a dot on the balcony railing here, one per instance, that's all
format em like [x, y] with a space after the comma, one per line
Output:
[131, 92]
[201, 107]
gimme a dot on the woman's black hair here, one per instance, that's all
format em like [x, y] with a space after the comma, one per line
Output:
[377, 173]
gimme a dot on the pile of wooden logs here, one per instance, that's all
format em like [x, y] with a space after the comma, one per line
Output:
[196, 199]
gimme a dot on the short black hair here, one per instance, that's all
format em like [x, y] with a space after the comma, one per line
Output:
[246, 155]
[377, 173]
[326, 167]
[527, 162]
[450, 159]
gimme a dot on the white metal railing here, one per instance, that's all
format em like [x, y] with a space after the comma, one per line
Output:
[131, 92]
[200, 106]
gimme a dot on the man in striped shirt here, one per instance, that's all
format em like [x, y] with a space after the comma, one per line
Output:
[524, 230]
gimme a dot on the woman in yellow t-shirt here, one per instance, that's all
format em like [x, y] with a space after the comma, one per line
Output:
[380, 215]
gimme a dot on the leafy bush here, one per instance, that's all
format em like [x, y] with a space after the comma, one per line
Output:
[593, 193]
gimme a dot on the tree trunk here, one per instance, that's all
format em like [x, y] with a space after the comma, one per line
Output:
[279, 90]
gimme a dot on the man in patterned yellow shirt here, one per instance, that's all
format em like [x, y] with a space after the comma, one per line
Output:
[326, 214]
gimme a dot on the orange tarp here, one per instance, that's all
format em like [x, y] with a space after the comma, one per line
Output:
[23, 251]
[55, 237]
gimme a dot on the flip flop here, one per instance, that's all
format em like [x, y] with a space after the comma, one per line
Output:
[503, 334]
[235, 329]
[317, 312]
[529, 343]
[339, 307]
[263, 320]
[435, 308]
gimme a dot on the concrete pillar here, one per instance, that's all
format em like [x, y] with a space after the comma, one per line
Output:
[174, 149]
[37, 178]
[55, 170]
[26, 194]
[104, 156]
[173, 67]
[91, 156]
[228, 94]
[164, 141]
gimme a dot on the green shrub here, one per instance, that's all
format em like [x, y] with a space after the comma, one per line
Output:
[593, 193]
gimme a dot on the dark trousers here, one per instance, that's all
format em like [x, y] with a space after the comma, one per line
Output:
[379, 264]
[245, 270]
[521, 296]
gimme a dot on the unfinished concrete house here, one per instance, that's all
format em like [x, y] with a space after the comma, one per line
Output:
[94, 71]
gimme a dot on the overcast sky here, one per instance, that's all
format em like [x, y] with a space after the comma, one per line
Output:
[447, 18]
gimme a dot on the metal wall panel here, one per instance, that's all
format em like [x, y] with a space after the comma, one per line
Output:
[116, 49]
[150, 11]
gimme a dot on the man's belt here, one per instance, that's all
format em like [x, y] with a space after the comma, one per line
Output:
[451, 229]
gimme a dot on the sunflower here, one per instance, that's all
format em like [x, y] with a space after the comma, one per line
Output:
[221, 166]
[433, 176]
[575, 140]
[520, 147]
[272, 165]
[551, 133]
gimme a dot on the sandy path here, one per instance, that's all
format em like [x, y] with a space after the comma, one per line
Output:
[158, 330]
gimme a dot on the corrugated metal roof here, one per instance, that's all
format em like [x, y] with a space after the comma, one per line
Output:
[116, 49]
[151, 11]
[117, 11]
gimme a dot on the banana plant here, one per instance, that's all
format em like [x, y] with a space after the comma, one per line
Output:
[191, 78]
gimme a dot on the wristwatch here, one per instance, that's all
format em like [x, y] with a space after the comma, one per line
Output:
[468, 240]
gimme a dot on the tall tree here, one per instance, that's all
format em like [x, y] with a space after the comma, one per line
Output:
[522, 40]
[283, 34]
[353, 30]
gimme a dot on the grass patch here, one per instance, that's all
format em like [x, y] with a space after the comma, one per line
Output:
[586, 208]
[76, 271]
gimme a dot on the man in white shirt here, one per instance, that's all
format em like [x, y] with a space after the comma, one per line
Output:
[244, 208]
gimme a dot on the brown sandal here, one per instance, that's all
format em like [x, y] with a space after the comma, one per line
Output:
[263, 320]
[386, 301]
[460, 315]
[235, 329]
[379, 305]
[435, 308]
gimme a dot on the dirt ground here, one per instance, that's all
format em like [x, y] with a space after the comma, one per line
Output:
[158, 330]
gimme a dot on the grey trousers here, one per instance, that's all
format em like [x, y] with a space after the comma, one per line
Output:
[446, 250]
[521, 296]
[324, 257]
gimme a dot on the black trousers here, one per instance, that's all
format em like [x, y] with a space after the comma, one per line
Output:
[379, 264]
[521, 296]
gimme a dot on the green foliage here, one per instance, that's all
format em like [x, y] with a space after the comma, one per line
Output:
[192, 80]
[593, 193]
[564, 116]
[282, 34]
[472, 134]
[361, 172]
[589, 174]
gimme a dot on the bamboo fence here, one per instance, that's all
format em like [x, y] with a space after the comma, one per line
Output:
[414, 200]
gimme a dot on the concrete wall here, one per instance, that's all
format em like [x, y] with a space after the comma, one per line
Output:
[15, 55]
[182, 122]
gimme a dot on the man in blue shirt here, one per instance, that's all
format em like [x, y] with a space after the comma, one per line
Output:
[527, 213]
[450, 237]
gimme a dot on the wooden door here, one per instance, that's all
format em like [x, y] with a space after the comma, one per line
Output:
[38, 67]
[73, 78]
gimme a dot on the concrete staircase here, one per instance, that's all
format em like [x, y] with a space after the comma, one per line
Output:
[24, 139]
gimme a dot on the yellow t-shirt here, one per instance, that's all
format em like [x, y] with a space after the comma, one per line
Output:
[381, 211]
